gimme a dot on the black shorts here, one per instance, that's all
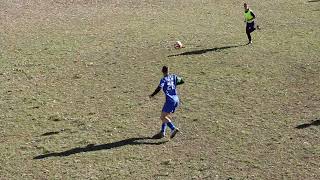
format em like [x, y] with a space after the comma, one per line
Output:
[250, 26]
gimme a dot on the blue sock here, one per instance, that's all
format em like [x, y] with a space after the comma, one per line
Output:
[163, 128]
[171, 126]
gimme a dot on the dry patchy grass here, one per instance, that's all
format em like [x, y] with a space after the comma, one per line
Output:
[75, 76]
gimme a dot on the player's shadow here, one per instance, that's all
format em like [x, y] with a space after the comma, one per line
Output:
[306, 125]
[202, 51]
[93, 147]
[50, 133]
[314, 1]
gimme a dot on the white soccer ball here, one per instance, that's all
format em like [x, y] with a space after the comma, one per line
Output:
[178, 45]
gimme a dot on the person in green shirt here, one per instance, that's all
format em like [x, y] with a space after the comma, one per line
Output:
[249, 19]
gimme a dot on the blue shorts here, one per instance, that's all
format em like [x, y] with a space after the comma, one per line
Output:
[170, 106]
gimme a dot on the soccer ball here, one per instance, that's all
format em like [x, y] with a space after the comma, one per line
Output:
[178, 45]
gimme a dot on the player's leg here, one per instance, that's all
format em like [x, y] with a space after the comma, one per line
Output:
[164, 120]
[162, 132]
[170, 116]
[168, 108]
[249, 29]
[176, 105]
[248, 33]
[165, 117]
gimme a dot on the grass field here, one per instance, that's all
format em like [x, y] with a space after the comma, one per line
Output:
[76, 74]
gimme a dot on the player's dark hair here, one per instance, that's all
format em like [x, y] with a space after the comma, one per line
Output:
[165, 69]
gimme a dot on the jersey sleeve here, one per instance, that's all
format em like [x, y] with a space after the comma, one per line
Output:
[254, 16]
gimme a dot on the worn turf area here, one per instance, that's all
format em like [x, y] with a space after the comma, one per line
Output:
[75, 78]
